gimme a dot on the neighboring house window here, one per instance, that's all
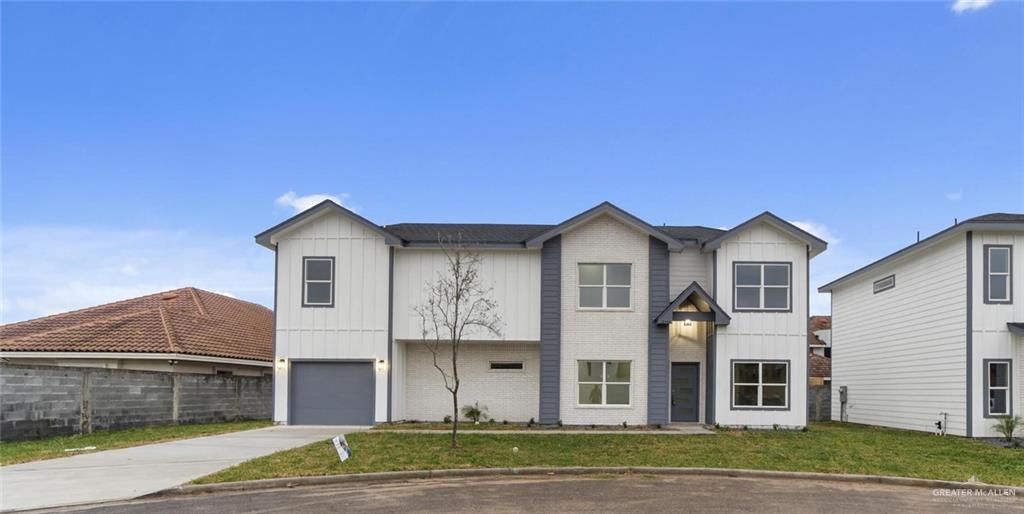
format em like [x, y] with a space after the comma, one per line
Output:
[760, 384]
[884, 284]
[318, 281]
[998, 275]
[762, 286]
[604, 286]
[506, 366]
[604, 382]
[997, 388]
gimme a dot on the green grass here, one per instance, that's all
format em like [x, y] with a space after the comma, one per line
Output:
[53, 447]
[486, 425]
[827, 447]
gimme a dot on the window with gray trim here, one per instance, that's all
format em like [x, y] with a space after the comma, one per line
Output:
[998, 274]
[318, 281]
[762, 286]
[760, 384]
[884, 284]
[604, 286]
[998, 393]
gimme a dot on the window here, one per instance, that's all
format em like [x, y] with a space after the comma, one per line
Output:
[884, 284]
[997, 388]
[318, 281]
[760, 384]
[603, 383]
[762, 286]
[604, 286]
[998, 280]
[506, 366]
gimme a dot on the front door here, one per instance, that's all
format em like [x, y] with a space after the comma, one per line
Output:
[685, 391]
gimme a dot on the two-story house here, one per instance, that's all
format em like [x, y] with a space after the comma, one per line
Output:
[606, 319]
[932, 333]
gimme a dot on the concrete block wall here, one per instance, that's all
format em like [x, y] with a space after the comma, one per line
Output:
[45, 401]
[819, 402]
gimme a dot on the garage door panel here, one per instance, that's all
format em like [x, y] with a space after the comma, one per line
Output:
[332, 393]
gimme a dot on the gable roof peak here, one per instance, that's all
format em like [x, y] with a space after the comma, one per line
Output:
[610, 209]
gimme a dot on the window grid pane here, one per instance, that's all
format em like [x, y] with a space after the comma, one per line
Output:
[760, 384]
[604, 286]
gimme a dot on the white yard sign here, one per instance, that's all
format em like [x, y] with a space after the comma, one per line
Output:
[340, 444]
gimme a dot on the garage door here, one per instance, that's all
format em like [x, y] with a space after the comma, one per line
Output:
[331, 393]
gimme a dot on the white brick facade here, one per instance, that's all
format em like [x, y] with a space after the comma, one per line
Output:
[604, 335]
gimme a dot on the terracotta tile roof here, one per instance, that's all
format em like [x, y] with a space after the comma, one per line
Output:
[188, 321]
[820, 366]
[820, 323]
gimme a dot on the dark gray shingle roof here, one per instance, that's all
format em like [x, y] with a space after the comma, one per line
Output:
[499, 233]
[998, 217]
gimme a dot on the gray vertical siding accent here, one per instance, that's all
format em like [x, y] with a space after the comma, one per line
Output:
[657, 336]
[550, 329]
[391, 326]
[807, 323]
[970, 335]
[709, 361]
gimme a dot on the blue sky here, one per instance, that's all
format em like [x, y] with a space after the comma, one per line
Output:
[145, 144]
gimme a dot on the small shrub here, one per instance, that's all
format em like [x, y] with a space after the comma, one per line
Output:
[1007, 426]
[492, 421]
[775, 427]
[718, 426]
[625, 425]
[475, 412]
[504, 422]
[805, 429]
[559, 422]
[531, 423]
[447, 420]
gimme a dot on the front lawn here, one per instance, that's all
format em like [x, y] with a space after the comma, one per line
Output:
[826, 447]
[495, 425]
[53, 447]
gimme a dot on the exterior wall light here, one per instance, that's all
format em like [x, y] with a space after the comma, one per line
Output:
[687, 323]
[382, 365]
[282, 363]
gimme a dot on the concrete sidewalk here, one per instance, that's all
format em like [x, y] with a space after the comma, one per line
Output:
[131, 472]
[674, 429]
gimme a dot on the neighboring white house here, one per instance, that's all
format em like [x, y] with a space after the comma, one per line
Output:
[933, 332]
[607, 319]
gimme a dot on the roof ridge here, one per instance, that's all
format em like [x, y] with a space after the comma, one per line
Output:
[93, 307]
[197, 300]
[172, 341]
[78, 325]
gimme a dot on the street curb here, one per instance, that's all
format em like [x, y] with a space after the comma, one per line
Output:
[281, 483]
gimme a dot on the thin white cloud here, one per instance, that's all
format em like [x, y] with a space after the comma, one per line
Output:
[301, 203]
[818, 229]
[960, 6]
[52, 269]
[955, 196]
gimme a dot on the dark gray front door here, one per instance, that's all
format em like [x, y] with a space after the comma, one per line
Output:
[331, 393]
[685, 391]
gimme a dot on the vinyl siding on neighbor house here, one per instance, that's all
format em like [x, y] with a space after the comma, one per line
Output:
[902, 352]
[778, 336]
[356, 327]
[991, 338]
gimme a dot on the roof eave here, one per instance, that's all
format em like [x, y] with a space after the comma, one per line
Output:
[265, 238]
[814, 243]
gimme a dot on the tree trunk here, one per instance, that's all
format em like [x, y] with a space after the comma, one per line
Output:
[455, 418]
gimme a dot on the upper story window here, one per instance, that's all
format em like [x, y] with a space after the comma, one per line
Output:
[884, 284]
[762, 286]
[318, 281]
[604, 286]
[998, 274]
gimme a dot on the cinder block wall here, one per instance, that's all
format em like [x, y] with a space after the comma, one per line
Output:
[819, 402]
[44, 401]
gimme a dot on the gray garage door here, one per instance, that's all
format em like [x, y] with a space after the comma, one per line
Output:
[331, 393]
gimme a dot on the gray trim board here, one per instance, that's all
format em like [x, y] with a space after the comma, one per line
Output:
[709, 376]
[264, 238]
[668, 314]
[1009, 389]
[966, 226]
[614, 211]
[816, 244]
[762, 309]
[391, 327]
[970, 335]
[984, 275]
[550, 330]
[658, 366]
[807, 316]
[789, 384]
[334, 281]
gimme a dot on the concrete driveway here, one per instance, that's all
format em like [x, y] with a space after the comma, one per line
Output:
[654, 494]
[131, 472]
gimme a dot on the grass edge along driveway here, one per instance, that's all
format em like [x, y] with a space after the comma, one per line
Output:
[15, 452]
[826, 448]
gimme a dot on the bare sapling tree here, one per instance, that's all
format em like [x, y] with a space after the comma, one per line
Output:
[458, 306]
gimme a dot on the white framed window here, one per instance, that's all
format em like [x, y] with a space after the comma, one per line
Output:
[318, 281]
[884, 284]
[604, 286]
[997, 388]
[760, 384]
[762, 286]
[998, 274]
[506, 366]
[603, 383]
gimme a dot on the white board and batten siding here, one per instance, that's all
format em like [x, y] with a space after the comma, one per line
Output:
[356, 328]
[902, 352]
[686, 267]
[771, 336]
[991, 338]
